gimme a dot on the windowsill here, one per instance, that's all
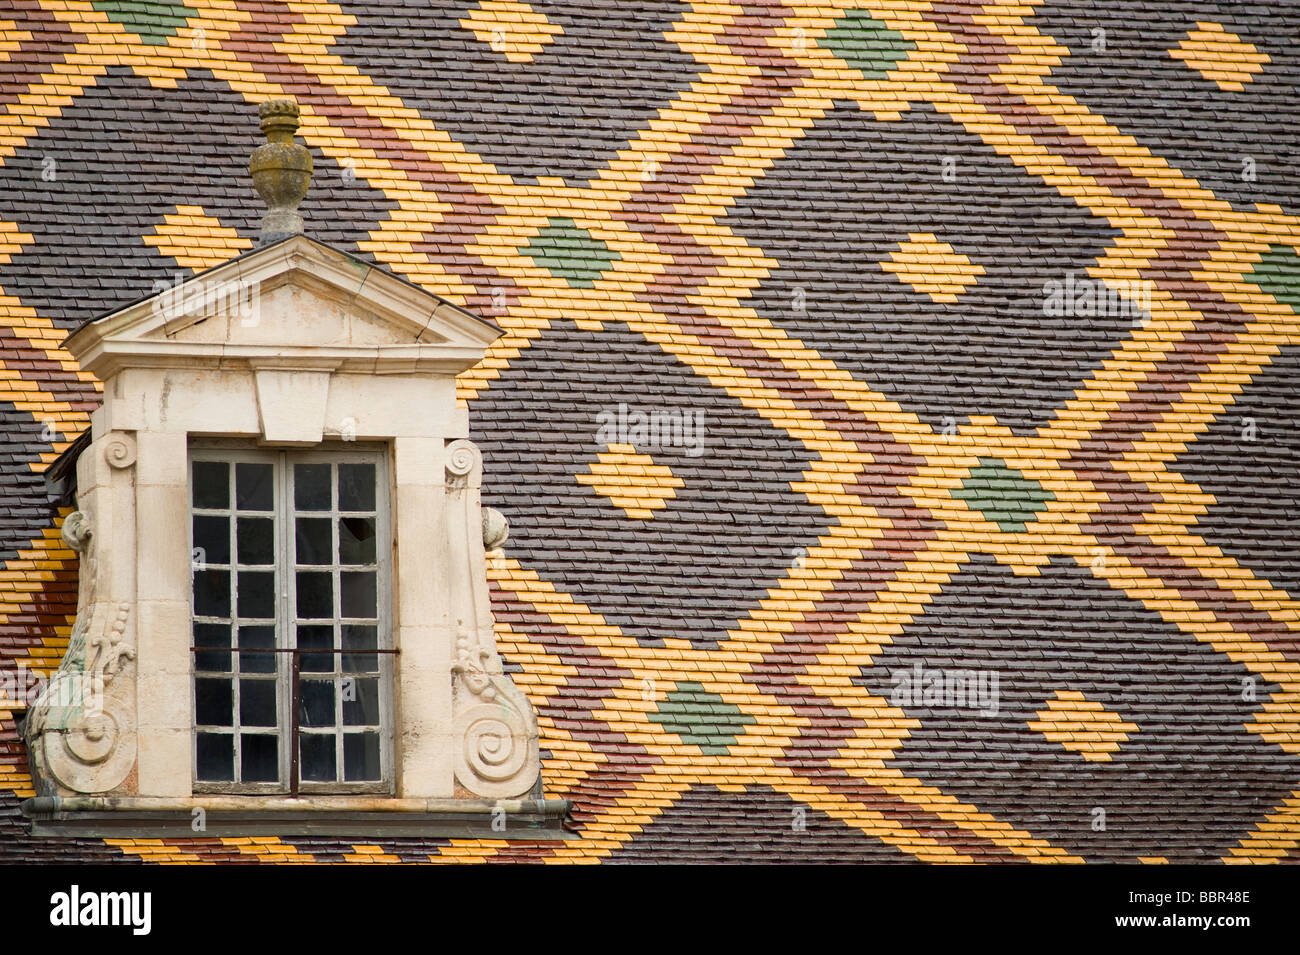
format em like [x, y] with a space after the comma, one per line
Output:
[341, 816]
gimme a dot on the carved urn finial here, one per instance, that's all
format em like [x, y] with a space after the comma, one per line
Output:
[281, 170]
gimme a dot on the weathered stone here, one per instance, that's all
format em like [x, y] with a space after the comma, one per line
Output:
[281, 170]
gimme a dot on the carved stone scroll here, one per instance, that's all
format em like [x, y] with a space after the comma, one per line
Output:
[81, 732]
[119, 450]
[492, 721]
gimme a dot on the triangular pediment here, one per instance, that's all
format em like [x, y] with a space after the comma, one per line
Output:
[297, 300]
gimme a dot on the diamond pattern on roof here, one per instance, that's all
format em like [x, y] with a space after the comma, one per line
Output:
[932, 267]
[1220, 56]
[755, 184]
[570, 253]
[1082, 726]
[866, 44]
[631, 481]
[511, 28]
[154, 20]
[701, 718]
[1003, 495]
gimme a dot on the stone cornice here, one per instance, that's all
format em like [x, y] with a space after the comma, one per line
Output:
[340, 816]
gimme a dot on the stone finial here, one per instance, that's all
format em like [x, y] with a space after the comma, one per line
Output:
[496, 530]
[281, 170]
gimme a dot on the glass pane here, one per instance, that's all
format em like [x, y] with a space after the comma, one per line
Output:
[211, 540]
[360, 637]
[315, 595]
[253, 487]
[212, 662]
[360, 701]
[356, 487]
[316, 703]
[256, 540]
[256, 638]
[313, 540]
[357, 594]
[215, 754]
[257, 703]
[212, 635]
[213, 702]
[356, 540]
[259, 755]
[212, 593]
[361, 756]
[316, 638]
[256, 594]
[316, 758]
[211, 484]
[311, 487]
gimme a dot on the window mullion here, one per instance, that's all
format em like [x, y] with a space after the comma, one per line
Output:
[284, 627]
[384, 611]
[337, 659]
[232, 562]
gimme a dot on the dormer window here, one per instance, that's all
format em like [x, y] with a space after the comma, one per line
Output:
[283, 608]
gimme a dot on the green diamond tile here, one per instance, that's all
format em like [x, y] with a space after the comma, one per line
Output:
[1003, 495]
[701, 718]
[571, 253]
[153, 20]
[1278, 274]
[866, 44]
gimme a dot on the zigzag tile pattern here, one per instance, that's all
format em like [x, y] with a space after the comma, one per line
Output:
[695, 207]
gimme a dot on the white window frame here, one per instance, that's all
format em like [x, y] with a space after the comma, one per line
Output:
[285, 622]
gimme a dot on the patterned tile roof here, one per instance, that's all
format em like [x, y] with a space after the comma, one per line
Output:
[972, 335]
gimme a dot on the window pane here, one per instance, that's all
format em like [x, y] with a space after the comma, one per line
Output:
[356, 487]
[256, 638]
[253, 487]
[360, 702]
[215, 754]
[311, 487]
[316, 758]
[256, 540]
[211, 540]
[316, 638]
[212, 662]
[257, 703]
[312, 539]
[259, 755]
[212, 635]
[211, 484]
[316, 703]
[256, 594]
[356, 540]
[212, 593]
[357, 594]
[213, 702]
[360, 637]
[361, 756]
[315, 595]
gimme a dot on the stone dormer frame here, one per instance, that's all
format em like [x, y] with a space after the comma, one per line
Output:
[293, 345]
